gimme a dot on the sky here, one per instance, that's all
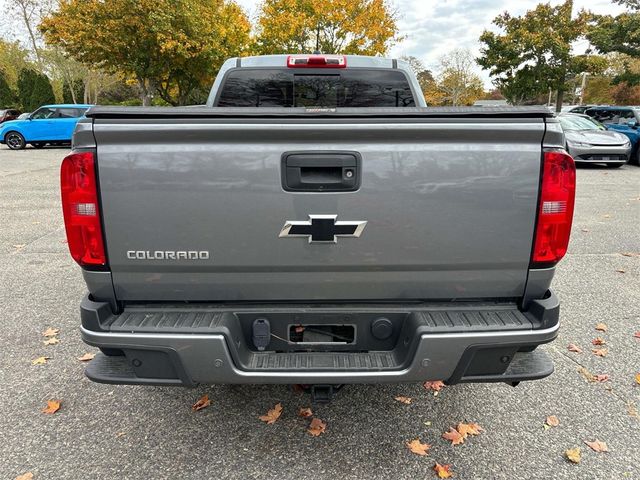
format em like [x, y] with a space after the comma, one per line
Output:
[434, 27]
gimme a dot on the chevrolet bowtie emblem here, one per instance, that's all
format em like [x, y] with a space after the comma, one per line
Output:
[322, 229]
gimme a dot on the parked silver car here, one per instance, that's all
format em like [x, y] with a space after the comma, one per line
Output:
[588, 142]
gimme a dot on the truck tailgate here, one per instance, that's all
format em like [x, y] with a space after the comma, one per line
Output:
[194, 206]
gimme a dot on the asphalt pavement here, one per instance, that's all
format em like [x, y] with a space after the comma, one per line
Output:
[104, 431]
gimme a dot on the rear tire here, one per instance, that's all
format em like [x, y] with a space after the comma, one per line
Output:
[38, 144]
[15, 141]
[614, 165]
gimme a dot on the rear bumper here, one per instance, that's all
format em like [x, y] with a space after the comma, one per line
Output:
[492, 343]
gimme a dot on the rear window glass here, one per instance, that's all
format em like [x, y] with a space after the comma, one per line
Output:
[348, 88]
[70, 112]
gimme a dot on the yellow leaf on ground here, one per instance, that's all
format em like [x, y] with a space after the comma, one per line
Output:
[638, 378]
[203, 402]
[600, 352]
[553, 421]
[573, 455]
[417, 447]
[86, 357]
[436, 385]
[272, 415]
[51, 341]
[40, 360]
[405, 400]
[601, 327]
[305, 412]
[443, 471]
[50, 332]
[316, 427]
[597, 446]
[454, 436]
[25, 476]
[588, 376]
[52, 407]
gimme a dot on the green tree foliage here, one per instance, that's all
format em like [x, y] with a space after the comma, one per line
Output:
[34, 90]
[170, 47]
[533, 52]
[423, 75]
[617, 34]
[7, 96]
[366, 27]
[13, 59]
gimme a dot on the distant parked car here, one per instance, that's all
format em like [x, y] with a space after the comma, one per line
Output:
[23, 116]
[587, 142]
[621, 119]
[8, 114]
[53, 124]
[576, 108]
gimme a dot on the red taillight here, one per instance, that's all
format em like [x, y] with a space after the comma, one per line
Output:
[555, 212]
[81, 210]
[316, 61]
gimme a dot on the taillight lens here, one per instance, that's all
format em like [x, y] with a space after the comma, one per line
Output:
[555, 212]
[81, 210]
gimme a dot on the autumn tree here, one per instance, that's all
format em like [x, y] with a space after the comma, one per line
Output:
[533, 52]
[13, 59]
[171, 48]
[423, 75]
[457, 80]
[366, 27]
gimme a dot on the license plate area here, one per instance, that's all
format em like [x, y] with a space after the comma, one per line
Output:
[322, 334]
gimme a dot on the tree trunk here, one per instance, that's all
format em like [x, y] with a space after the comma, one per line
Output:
[559, 100]
[145, 95]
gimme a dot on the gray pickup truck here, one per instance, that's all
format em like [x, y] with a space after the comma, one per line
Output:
[316, 224]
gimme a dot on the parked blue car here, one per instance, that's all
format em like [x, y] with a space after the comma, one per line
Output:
[53, 124]
[621, 119]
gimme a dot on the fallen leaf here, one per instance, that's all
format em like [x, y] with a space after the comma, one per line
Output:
[630, 254]
[638, 378]
[52, 407]
[466, 429]
[588, 376]
[636, 335]
[621, 271]
[606, 215]
[40, 360]
[598, 341]
[305, 412]
[574, 348]
[443, 471]
[573, 454]
[405, 400]
[601, 327]
[585, 230]
[316, 427]
[453, 435]
[121, 434]
[19, 247]
[25, 476]
[600, 352]
[436, 385]
[417, 447]
[597, 446]
[51, 341]
[50, 332]
[272, 415]
[552, 421]
[203, 402]
[86, 357]
[632, 410]
[602, 377]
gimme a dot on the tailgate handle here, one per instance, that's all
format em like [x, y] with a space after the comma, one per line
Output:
[321, 171]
